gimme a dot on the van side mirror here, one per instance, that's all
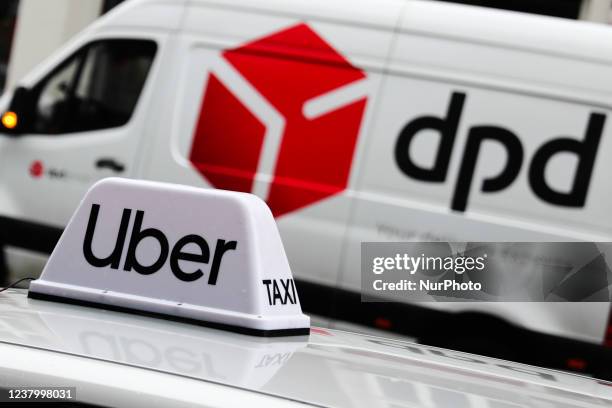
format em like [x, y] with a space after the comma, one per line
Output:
[18, 118]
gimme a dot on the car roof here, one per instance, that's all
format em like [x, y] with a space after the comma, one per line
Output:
[328, 367]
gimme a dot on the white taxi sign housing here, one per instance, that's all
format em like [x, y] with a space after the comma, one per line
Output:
[210, 257]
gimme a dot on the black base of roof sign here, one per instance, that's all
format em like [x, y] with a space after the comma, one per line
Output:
[305, 331]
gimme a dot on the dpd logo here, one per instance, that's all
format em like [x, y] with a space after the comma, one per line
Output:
[278, 119]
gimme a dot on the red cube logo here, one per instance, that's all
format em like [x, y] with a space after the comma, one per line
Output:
[304, 127]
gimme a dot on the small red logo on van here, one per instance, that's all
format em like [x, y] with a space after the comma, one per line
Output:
[37, 169]
[292, 146]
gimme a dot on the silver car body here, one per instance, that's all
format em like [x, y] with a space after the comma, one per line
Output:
[123, 359]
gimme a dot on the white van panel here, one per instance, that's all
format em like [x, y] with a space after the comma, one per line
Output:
[210, 23]
[508, 29]
[510, 68]
[537, 102]
[137, 14]
[381, 14]
[409, 98]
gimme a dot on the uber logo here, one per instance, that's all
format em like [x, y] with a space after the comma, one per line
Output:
[138, 234]
[585, 150]
[280, 291]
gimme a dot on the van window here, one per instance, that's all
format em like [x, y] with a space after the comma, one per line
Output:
[95, 88]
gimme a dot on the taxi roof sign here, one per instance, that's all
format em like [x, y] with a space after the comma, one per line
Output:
[209, 257]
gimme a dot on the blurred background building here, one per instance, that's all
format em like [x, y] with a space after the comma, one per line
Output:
[30, 30]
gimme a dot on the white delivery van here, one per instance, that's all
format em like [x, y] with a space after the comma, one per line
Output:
[389, 120]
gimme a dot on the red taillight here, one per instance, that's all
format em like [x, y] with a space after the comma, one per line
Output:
[577, 364]
[383, 323]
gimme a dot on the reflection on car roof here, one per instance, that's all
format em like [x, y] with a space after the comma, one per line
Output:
[343, 369]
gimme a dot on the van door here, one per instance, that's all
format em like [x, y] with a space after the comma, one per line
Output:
[89, 108]
[276, 103]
